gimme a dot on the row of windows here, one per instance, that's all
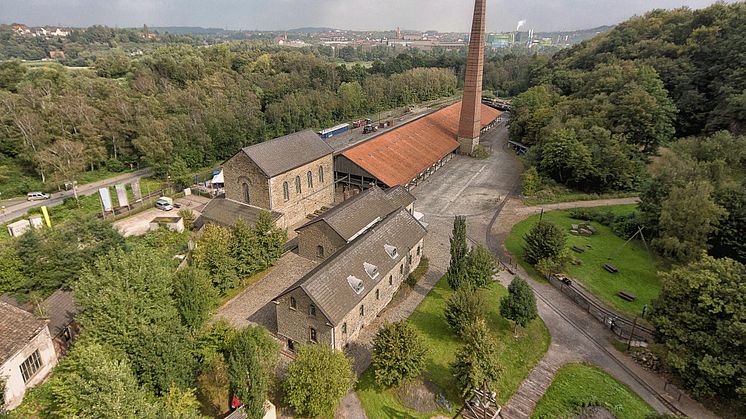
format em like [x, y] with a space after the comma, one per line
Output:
[298, 189]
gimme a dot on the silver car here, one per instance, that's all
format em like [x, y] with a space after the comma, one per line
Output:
[36, 196]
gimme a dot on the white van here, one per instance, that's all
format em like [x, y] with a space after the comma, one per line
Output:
[36, 196]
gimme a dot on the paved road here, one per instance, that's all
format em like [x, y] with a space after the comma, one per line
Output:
[16, 209]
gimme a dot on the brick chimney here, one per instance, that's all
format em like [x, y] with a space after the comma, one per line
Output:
[470, 122]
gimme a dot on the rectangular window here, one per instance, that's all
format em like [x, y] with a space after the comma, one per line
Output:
[30, 366]
[344, 328]
[293, 303]
[312, 310]
[409, 259]
[312, 335]
[362, 310]
[419, 250]
[391, 279]
[378, 294]
[401, 269]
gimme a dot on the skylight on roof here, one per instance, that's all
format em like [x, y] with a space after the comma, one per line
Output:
[371, 270]
[356, 284]
[391, 250]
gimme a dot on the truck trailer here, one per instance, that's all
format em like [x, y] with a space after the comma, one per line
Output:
[335, 130]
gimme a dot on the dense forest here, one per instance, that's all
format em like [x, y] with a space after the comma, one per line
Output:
[179, 106]
[658, 105]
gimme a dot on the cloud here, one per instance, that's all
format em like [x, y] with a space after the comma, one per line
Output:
[443, 15]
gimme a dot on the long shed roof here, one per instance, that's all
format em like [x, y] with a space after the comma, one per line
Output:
[400, 155]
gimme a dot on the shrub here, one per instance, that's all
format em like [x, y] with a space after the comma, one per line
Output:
[464, 307]
[419, 272]
[115, 165]
[531, 181]
[317, 380]
[480, 267]
[480, 152]
[544, 240]
[398, 354]
[252, 356]
[188, 217]
[554, 265]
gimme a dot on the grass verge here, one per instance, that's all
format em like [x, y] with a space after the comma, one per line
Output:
[579, 385]
[517, 356]
[637, 267]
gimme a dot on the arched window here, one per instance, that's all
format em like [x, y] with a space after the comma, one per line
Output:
[309, 175]
[293, 304]
[320, 251]
[285, 191]
[321, 174]
[246, 193]
[297, 184]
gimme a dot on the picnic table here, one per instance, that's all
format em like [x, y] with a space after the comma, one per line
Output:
[611, 268]
[624, 295]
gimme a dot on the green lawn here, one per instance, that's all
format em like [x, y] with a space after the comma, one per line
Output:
[578, 385]
[637, 268]
[517, 356]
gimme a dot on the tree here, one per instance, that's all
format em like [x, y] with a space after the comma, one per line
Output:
[317, 380]
[11, 266]
[213, 254]
[212, 384]
[270, 240]
[476, 361]
[195, 297]
[566, 159]
[685, 228]
[520, 303]
[544, 240]
[252, 356]
[459, 250]
[480, 267]
[464, 307]
[398, 354]
[699, 318]
[94, 380]
[244, 249]
[65, 160]
[728, 241]
[126, 301]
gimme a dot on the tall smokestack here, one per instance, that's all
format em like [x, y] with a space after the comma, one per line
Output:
[470, 123]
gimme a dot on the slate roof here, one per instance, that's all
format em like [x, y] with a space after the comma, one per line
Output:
[327, 284]
[285, 153]
[400, 155]
[61, 309]
[225, 212]
[350, 217]
[17, 328]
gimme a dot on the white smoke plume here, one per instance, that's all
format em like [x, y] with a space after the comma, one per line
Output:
[520, 25]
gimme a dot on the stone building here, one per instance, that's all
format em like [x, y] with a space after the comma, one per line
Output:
[27, 354]
[324, 235]
[333, 302]
[291, 175]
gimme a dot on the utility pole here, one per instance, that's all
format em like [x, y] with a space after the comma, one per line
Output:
[629, 342]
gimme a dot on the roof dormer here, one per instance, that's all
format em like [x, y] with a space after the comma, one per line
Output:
[356, 284]
[391, 250]
[371, 270]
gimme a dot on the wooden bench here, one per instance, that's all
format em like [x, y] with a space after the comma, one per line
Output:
[578, 249]
[611, 268]
[624, 295]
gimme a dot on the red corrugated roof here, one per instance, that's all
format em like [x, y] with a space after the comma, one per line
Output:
[400, 155]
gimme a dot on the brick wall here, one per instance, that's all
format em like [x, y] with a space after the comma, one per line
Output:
[240, 169]
[318, 234]
[311, 199]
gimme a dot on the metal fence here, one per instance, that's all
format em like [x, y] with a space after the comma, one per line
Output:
[622, 326]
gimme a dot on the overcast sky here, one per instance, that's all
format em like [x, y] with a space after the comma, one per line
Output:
[442, 15]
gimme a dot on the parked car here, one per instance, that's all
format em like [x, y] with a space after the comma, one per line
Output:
[36, 196]
[164, 203]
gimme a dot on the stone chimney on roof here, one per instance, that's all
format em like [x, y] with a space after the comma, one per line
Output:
[470, 123]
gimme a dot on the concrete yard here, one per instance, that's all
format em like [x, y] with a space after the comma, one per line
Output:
[138, 224]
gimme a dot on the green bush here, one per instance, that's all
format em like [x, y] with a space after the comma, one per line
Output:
[115, 165]
[544, 240]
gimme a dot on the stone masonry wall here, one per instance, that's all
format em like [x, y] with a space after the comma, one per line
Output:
[318, 234]
[239, 169]
[353, 322]
[295, 323]
[311, 199]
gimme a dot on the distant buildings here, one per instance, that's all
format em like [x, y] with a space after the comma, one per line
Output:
[40, 31]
